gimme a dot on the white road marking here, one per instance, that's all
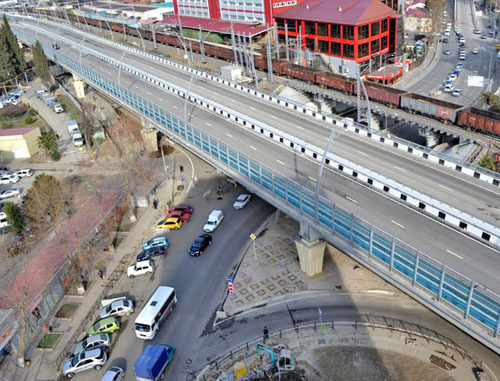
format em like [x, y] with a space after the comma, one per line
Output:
[147, 92]
[455, 254]
[401, 169]
[280, 162]
[137, 87]
[361, 152]
[253, 108]
[313, 179]
[274, 116]
[161, 99]
[208, 124]
[444, 187]
[252, 147]
[174, 107]
[229, 135]
[398, 224]
[351, 199]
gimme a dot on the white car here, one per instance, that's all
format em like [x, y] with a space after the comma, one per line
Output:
[456, 92]
[11, 192]
[77, 141]
[446, 32]
[24, 173]
[242, 200]
[475, 51]
[117, 308]
[140, 268]
[113, 374]
[93, 359]
[9, 179]
[448, 88]
[58, 108]
[16, 102]
[453, 77]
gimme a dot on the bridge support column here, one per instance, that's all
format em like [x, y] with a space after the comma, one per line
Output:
[311, 250]
[79, 87]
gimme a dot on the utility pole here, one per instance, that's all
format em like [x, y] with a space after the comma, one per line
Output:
[286, 43]
[234, 45]
[276, 41]
[202, 47]
[154, 34]
[269, 58]
[358, 94]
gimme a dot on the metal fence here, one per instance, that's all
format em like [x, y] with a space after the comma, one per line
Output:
[454, 296]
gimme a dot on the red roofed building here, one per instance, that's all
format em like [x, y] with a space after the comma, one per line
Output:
[357, 30]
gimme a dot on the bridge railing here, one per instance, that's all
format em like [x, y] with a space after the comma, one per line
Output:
[402, 144]
[461, 300]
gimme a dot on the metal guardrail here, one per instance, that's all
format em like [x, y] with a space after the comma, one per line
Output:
[223, 363]
[466, 303]
[434, 207]
[425, 152]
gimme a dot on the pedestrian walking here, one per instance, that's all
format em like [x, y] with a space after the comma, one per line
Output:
[155, 203]
[181, 167]
[266, 334]
[100, 274]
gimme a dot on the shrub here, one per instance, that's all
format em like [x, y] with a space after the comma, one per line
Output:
[29, 120]
[56, 156]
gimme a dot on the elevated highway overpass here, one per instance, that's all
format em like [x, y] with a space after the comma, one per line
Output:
[283, 177]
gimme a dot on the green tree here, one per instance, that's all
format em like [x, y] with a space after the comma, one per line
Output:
[7, 59]
[41, 64]
[48, 142]
[15, 217]
[491, 100]
[489, 163]
[43, 202]
[13, 44]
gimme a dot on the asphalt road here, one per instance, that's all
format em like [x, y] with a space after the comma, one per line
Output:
[475, 64]
[470, 195]
[445, 244]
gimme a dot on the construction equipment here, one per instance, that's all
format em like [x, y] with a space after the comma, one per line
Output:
[281, 358]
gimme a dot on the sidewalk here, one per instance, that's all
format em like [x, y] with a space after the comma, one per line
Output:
[45, 364]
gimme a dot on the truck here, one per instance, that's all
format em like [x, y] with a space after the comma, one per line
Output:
[72, 126]
[152, 362]
[40, 91]
[49, 99]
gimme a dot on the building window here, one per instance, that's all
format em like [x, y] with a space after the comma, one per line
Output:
[322, 29]
[363, 32]
[292, 25]
[310, 44]
[336, 48]
[280, 23]
[348, 50]
[335, 30]
[310, 28]
[375, 46]
[383, 43]
[375, 29]
[384, 25]
[323, 46]
[363, 50]
[348, 32]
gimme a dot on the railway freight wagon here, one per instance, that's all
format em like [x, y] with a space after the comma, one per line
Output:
[384, 94]
[336, 81]
[480, 120]
[434, 108]
[300, 72]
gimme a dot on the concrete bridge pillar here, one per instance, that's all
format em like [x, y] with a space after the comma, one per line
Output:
[311, 250]
[79, 87]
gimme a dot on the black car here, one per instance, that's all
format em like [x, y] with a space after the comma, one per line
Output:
[200, 244]
[150, 253]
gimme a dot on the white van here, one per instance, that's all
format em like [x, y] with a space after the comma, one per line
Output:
[213, 221]
[155, 312]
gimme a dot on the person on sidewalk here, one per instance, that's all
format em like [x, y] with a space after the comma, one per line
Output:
[100, 274]
[266, 334]
[181, 167]
[155, 203]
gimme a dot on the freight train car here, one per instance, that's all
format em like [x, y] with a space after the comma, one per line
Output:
[336, 81]
[441, 110]
[479, 120]
[300, 72]
[384, 94]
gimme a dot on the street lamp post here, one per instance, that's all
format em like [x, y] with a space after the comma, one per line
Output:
[120, 69]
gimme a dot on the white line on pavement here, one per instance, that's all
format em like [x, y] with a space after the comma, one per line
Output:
[455, 254]
[312, 178]
[444, 187]
[280, 162]
[401, 169]
[361, 152]
[398, 224]
[252, 147]
[229, 135]
[174, 106]
[351, 199]
[208, 124]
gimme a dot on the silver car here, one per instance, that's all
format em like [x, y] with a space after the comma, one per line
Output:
[117, 308]
[242, 200]
[102, 340]
[113, 374]
[92, 359]
[11, 192]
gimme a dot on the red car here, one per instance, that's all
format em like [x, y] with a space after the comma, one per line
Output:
[181, 208]
[184, 216]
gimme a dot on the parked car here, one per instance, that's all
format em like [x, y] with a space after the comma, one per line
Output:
[108, 325]
[483, 37]
[460, 65]
[58, 108]
[184, 216]
[200, 244]
[113, 374]
[446, 40]
[9, 179]
[140, 268]
[24, 173]
[102, 340]
[452, 77]
[120, 307]
[173, 223]
[77, 141]
[448, 88]
[92, 359]
[181, 208]
[447, 52]
[150, 253]
[11, 192]
[475, 51]
[456, 92]
[477, 31]
[154, 242]
[242, 201]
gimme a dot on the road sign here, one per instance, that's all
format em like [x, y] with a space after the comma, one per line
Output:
[253, 236]
[230, 285]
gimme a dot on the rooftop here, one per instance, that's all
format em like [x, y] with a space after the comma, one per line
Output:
[213, 25]
[349, 12]
[16, 131]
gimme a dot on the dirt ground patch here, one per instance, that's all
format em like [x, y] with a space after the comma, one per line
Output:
[361, 363]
